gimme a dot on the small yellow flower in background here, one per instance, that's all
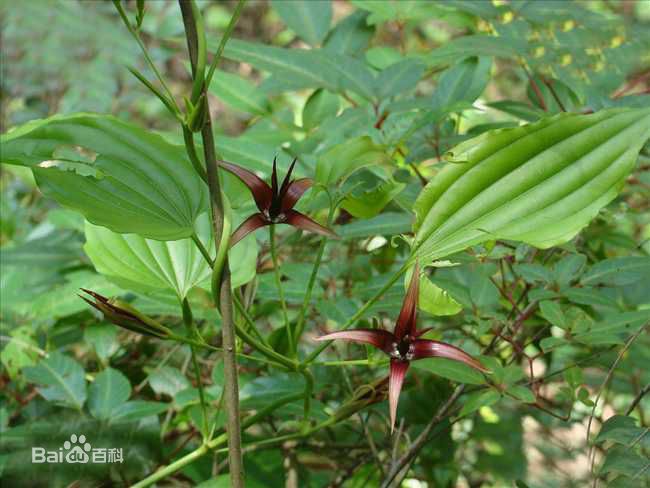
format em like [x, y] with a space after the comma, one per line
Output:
[616, 41]
[507, 17]
[566, 59]
[568, 25]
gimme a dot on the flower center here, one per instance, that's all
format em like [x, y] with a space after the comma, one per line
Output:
[402, 350]
[275, 219]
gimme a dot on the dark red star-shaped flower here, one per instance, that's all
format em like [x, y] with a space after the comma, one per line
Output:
[275, 202]
[403, 345]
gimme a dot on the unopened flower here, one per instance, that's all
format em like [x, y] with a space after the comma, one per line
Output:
[124, 315]
[275, 202]
[403, 345]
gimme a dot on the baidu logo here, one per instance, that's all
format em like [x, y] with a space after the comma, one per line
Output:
[77, 450]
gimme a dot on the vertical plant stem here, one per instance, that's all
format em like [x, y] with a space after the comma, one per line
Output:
[143, 48]
[192, 16]
[278, 285]
[300, 325]
[189, 323]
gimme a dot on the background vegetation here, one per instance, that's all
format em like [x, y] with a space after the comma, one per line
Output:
[389, 87]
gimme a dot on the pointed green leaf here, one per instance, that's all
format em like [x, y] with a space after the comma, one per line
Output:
[370, 203]
[310, 19]
[340, 161]
[116, 174]
[478, 400]
[61, 378]
[319, 106]
[239, 93]
[539, 183]
[110, 390]
[295, 69]
[136, 410]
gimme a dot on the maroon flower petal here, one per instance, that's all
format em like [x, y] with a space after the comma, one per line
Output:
[252, 223]
[261, 191]
[424, 348]
[421, 332]
[381, 339]
[287, 180]
[274, 177]
[398, 371]
[305, 223]
[294, 191]
[405, 324]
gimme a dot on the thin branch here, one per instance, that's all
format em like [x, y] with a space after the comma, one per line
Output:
[637, 399]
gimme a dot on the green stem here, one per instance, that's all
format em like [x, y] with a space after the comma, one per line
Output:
[254, 343]
[352, 362]
[198, 68]
[214, 443]
[136, 36]
[278, 285]
[204, 252]
[189, 323]
[312, 280]
[309, 390]
[360, 312]
[224, 40]
[190, 148]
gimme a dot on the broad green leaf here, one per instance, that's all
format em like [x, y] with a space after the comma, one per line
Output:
[168, 381]
[136, 410]
[617, 271]
[569, 268]
[110, 390]
[623, 430]
[55, 249]
[398, 78]
[116, 174]
[61, 380]
[340, 161]
[478, 400]
[19, 352]
[61, 300]
[552, 312]
[625, 461]
[103, 338]
[263, 390]
[539, 183]
[381, 57]
[433, 299]
[295, 69]
[146, 265]
[475, 45]
[310, 19]
[614, 328]
[320, 105]
[369, 203]
[522, 393]
[239, 93]
[532, 272]
[350, 36]
[452, 370]
[463, 82]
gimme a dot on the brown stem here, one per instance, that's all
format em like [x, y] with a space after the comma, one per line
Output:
[422, 439]
[231, 387]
